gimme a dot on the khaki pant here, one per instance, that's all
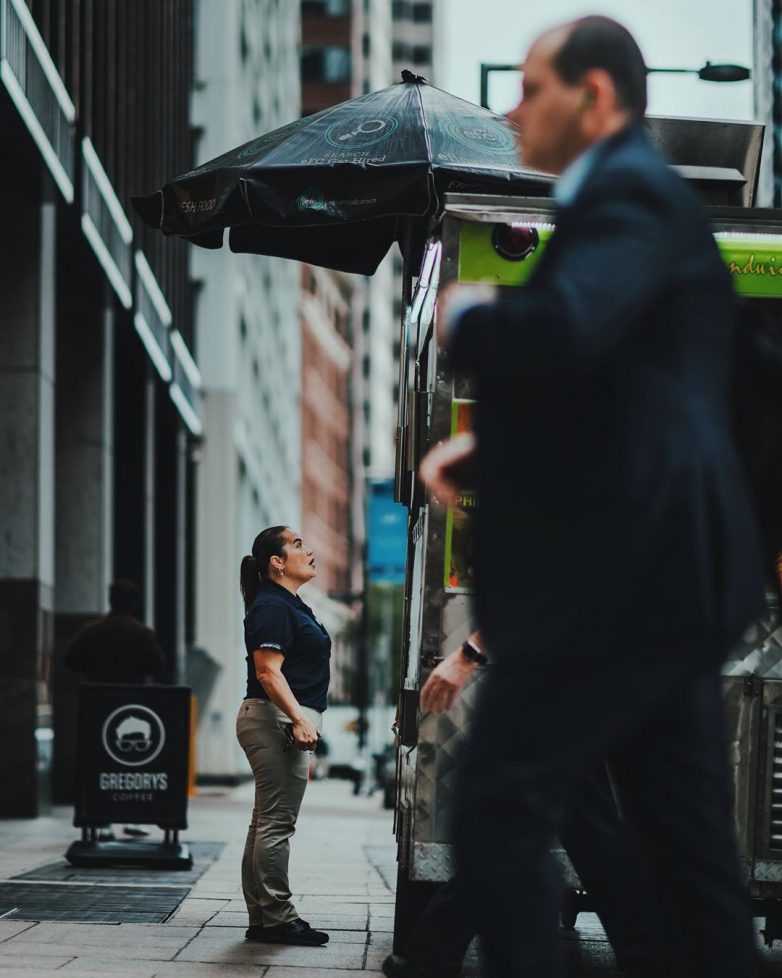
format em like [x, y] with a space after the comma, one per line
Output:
[280, 773]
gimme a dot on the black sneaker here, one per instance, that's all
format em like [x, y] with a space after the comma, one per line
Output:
[294, 932]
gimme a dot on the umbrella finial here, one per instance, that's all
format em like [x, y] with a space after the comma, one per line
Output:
[408, 76]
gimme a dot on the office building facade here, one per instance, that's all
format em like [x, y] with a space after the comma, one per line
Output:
[99, 387]
[249, 334]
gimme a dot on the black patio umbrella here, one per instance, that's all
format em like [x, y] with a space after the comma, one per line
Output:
[337, 188]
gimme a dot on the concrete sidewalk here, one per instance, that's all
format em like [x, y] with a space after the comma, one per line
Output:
[336, 888]
[342, 874]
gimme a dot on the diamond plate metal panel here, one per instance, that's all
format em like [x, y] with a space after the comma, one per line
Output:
[439, 623]
[759, 653]
[743, 709]
[767, 871]
[432, 862]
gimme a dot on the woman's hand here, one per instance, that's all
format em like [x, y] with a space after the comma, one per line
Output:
[446, 682]
[443, 469]
[305, 734]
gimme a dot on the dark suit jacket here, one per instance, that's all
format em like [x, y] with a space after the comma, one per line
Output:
[117, 648]
[613, 506]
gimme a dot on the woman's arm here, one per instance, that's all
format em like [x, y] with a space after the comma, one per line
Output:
[268, 671]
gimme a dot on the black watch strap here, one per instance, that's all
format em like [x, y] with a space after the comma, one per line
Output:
[470, 652]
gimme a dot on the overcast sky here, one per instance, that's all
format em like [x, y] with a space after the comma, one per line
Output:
[671, 33]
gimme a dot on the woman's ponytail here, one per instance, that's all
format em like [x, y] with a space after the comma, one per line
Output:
[269, 543]
[249, 580]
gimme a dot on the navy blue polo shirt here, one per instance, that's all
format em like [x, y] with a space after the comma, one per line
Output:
[280, 620]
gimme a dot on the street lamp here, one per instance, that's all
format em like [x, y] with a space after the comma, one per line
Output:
[361, 688]
[709, 72]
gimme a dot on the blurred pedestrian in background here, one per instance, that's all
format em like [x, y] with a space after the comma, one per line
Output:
[118, 647]
[616, 551]
[279, 722]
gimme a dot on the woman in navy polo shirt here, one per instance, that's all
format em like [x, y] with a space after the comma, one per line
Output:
[279, 722]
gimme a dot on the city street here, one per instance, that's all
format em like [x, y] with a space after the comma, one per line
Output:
[342, 873]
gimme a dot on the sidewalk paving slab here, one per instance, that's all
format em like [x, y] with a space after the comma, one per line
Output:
[46, 963]
[334, 854]
[10, 928]
[167, 969]
[214, 950]
[337, 890]
[282, 972]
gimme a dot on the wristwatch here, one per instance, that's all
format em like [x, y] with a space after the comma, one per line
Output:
[474, 654]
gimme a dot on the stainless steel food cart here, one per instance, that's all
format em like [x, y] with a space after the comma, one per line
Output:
[499, 239]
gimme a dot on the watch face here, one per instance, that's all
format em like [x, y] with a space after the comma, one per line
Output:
[470, 652]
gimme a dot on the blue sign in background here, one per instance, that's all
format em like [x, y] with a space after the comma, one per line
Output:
[387, 534]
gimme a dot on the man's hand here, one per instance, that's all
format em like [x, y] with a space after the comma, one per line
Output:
[305, 734]
[442, 469]
[446, 682]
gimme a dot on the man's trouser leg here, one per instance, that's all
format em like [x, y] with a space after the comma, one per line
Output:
[519, 769]
[673, 783]
[607, 857]
[443, 932]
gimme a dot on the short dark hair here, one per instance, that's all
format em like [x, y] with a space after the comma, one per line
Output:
[600, 42]
[124, 596]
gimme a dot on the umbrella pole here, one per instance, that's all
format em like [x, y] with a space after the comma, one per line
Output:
[401, 490]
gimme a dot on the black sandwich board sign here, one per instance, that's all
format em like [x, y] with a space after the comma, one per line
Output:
[133, 756]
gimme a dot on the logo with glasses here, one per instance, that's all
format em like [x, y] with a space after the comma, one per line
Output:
[351, 134]
[133, 735]
[489, 137]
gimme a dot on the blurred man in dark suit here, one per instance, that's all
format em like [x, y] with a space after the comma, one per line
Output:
[616, 552]
[118, 647]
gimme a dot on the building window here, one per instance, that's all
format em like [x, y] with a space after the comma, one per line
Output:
[244, 47]
[324, 8]
[401, 9]
[422, 54]
[366, 45]
[422, 13]
[365, 366]
[325, 64]
[400, 51]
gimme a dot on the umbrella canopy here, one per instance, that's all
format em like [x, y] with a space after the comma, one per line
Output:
[337, 188]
